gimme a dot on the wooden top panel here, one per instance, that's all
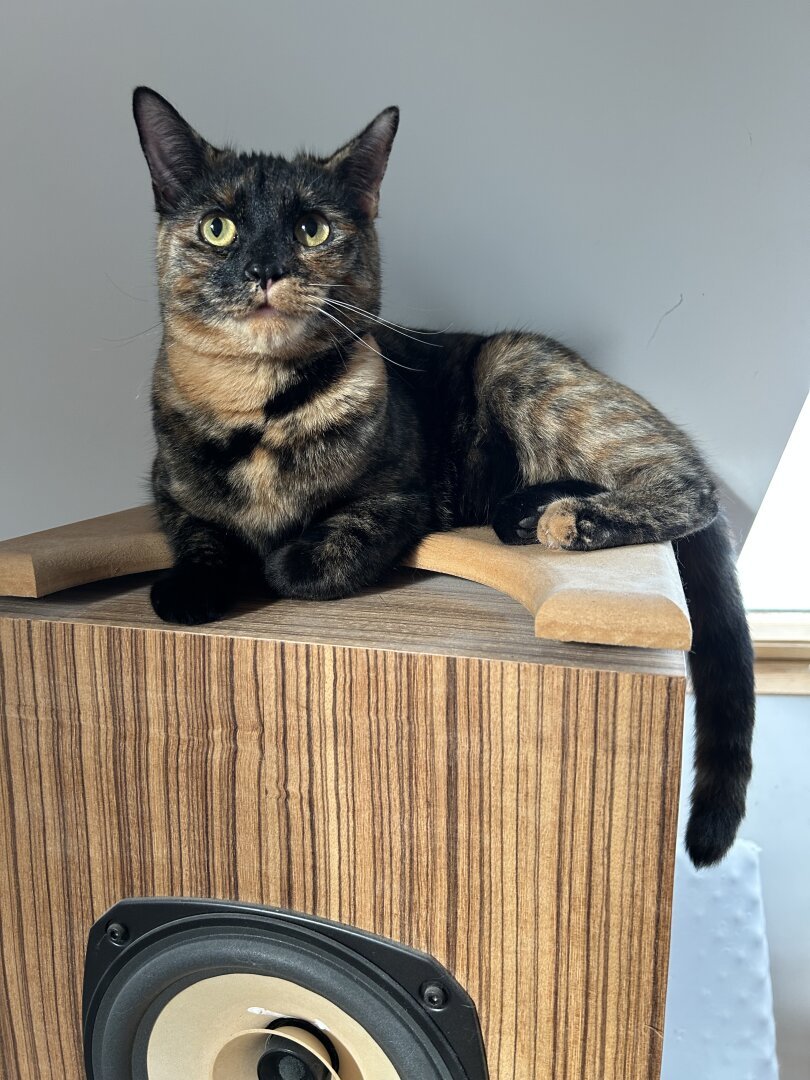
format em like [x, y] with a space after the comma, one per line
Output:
[415, 611]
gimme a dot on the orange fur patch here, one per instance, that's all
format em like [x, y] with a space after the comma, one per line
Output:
[231, 389]
[557, 527]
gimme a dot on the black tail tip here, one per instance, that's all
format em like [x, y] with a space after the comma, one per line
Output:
[710, 833]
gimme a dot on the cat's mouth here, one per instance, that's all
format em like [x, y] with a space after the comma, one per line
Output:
[265, 306]
[267, 311]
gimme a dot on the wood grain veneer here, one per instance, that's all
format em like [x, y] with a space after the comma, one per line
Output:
[413, 611]
[508, 805]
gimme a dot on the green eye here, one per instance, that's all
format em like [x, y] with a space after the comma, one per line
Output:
[217, 230]
[312, 230]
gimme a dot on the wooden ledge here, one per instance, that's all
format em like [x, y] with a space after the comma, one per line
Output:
[621, 596]
[127, 542]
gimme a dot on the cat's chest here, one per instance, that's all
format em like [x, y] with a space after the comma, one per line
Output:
[262, 501]
[266, 454]
[281, 481]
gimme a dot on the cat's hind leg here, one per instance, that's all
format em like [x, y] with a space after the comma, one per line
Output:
[566, 420]
[656, 506]
[517, 515]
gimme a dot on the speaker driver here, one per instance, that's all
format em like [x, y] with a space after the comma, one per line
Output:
[180, 989]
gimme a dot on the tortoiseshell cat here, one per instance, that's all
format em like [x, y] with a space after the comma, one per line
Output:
[306, 443]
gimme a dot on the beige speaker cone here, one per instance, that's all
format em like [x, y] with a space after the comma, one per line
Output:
[216, 1029]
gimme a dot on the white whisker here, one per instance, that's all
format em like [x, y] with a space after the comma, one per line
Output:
[343, 326]
[338, 347]
[385, 322]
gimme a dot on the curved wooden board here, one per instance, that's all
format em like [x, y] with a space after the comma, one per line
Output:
[619, 596]
[622, 596]
[127, 542]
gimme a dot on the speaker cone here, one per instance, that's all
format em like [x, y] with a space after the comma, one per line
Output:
[207, 990]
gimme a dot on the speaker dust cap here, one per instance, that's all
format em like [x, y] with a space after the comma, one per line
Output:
[211, 990]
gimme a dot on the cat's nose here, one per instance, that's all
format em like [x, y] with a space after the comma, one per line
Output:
[263, 273]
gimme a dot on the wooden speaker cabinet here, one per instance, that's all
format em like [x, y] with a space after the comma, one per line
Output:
[412, 761]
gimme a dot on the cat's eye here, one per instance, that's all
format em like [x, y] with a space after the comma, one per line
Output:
[217, 230]
[312, 230]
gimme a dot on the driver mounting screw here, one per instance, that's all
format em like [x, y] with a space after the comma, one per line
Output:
[434, 995]
[117, 933]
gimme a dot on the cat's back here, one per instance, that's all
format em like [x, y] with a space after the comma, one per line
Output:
[451, 376]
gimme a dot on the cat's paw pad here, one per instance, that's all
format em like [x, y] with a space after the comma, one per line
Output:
[526, 528]
[191, 595]
[586, 533]
[564, 526]
[557, 526]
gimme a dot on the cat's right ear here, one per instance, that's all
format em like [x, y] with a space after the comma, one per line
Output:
[363, 160]
[174, 152]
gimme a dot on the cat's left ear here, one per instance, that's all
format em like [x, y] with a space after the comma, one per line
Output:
[362, 161]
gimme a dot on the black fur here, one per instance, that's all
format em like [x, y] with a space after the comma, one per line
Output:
[319, 375]
[721, 664]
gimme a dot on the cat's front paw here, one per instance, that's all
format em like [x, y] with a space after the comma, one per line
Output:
[293, 566]
[311, 568]
[324, 564]
[191, 595]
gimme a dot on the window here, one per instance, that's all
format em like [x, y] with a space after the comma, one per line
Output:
[774, 569]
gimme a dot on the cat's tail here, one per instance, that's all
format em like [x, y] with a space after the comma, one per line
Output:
[721, 663]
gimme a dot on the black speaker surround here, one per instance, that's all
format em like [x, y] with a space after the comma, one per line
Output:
[162, 976]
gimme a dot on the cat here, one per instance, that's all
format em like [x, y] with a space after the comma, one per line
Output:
[305, 443]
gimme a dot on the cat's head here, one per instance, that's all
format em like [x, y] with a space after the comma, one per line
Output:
[251, 246]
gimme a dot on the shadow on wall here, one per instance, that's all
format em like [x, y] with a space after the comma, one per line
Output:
[740, 514]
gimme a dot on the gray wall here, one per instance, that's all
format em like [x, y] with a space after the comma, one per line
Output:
[583, 168]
